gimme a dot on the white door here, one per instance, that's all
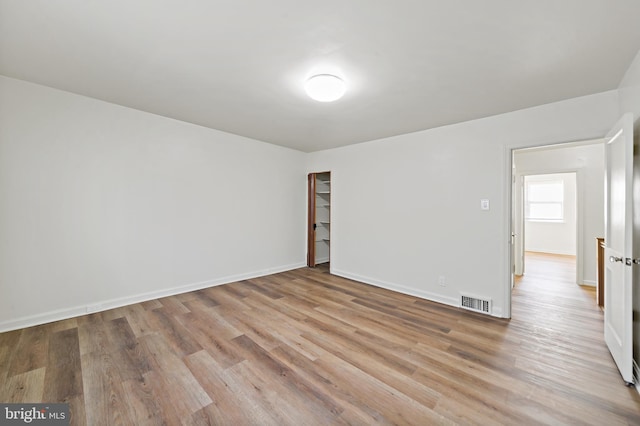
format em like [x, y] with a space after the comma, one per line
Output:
[618, 302]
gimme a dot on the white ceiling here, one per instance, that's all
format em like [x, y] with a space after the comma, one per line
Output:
[240, 65]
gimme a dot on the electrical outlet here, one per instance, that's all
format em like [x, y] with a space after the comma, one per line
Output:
[441, 281]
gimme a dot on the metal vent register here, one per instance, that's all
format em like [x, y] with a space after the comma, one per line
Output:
[476, 304]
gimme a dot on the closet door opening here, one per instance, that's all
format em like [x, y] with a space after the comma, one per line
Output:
[319, 219]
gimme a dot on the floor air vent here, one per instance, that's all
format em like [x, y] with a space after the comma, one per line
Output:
[476, 304]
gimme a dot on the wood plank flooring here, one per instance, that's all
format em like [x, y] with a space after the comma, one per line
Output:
[307, 348]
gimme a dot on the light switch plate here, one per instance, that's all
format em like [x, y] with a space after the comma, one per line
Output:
[484, 204]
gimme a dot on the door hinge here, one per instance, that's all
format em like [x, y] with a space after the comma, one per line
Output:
[629, 261]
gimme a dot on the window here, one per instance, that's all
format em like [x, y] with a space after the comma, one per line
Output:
[543, 200]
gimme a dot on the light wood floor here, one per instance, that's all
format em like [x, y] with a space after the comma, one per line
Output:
[306, 348]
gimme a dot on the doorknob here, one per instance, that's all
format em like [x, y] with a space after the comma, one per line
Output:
[615, 259]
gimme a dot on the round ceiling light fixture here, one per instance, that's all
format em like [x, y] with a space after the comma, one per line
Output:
[325, 87]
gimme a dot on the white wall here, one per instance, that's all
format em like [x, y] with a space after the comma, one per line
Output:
[406, 209]
[588, 162]
[555, 237]
[630, 89]
[105, 205]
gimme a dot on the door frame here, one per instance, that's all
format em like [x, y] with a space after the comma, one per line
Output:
[311, 220]
[311, 216]
[508, 213]
[579, 206]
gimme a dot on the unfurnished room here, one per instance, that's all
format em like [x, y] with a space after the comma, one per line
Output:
[315, 213]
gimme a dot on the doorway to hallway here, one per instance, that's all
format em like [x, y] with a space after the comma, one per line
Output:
[539, 220]
[551, 284]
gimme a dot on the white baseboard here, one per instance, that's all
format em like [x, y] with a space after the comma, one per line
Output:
[589, 283]
[62, 314]
[496, 311]
[322, 260]
[547, 251]
[434, 297]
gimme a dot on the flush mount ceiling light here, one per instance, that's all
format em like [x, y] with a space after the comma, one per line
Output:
[325, 87]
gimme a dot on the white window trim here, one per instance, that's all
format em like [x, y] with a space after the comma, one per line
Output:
[527, 203]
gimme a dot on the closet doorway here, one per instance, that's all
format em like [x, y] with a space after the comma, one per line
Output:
[319, 219]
